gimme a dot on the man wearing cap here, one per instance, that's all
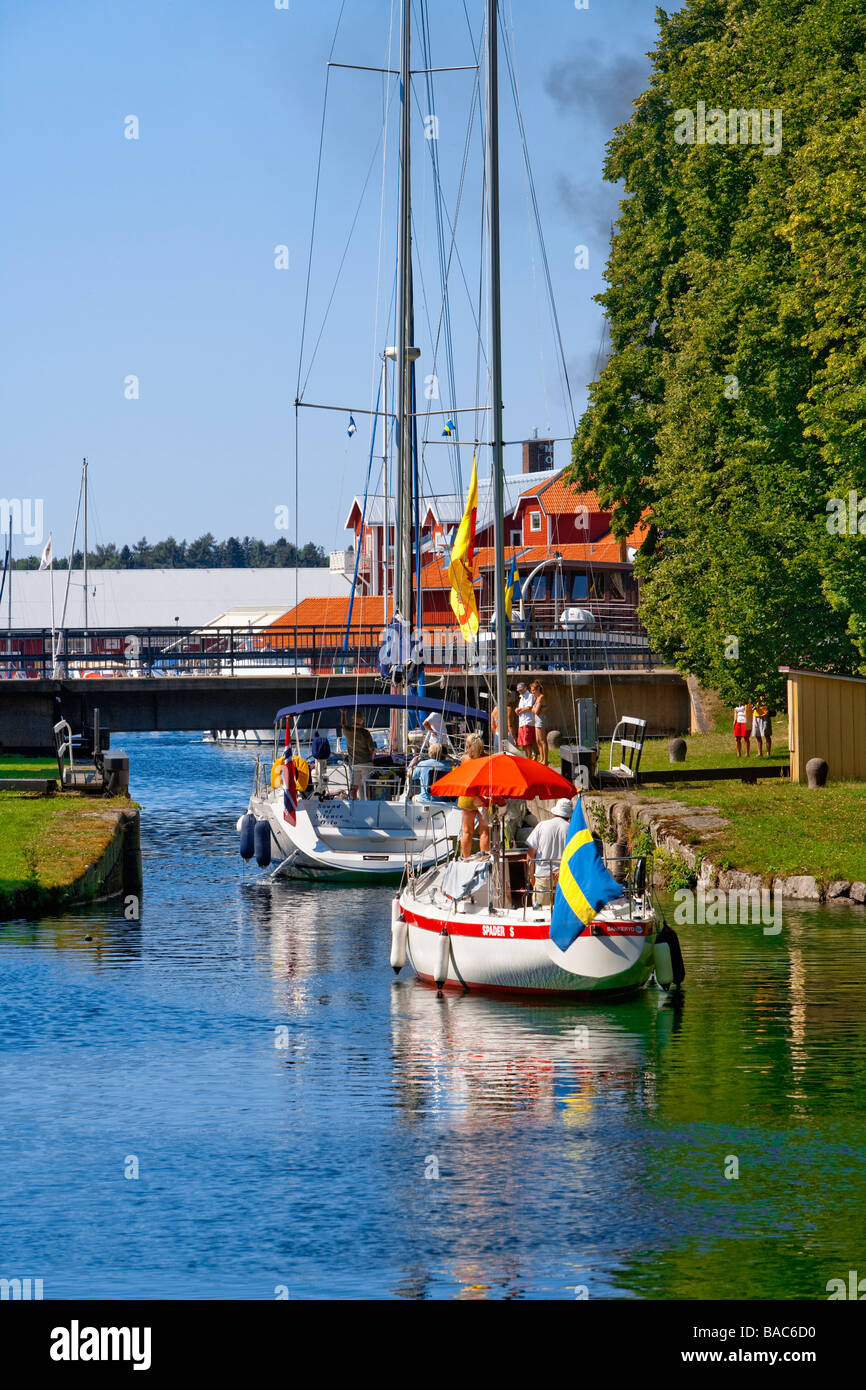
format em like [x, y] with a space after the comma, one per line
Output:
[526, 740]
[545, 848]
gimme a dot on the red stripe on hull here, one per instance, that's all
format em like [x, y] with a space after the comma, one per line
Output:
[516, 931]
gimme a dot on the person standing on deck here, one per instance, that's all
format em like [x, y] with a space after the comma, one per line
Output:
[360, 749]
[545, 847]
[472, 807]
[435, 732]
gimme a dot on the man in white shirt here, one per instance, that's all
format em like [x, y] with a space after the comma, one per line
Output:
[434, 725]
[526, 740]
[545, 848]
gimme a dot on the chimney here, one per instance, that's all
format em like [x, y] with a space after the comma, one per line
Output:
[537, 455]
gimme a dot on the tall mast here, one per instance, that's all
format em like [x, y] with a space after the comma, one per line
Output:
[84, 488]
[406, 354]
[496, 363]
[9, 582]
[386, 483]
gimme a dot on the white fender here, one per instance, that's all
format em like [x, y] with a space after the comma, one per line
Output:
[443, 956]
[399, 937]
[663, 965]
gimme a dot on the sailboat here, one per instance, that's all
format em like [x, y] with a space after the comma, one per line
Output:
[302, 820]
[309, 817]
[473, 923]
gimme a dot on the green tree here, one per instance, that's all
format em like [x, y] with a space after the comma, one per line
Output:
[733, 407]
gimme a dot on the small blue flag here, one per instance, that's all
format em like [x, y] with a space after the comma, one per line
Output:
[450, 427]
[584, 886]
[352, 427]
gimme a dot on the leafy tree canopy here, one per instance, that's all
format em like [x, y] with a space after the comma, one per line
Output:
[733, 408]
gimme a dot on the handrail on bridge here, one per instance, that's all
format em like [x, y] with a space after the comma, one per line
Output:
[617, 641]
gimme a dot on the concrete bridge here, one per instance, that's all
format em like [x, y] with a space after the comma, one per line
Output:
[30, 708]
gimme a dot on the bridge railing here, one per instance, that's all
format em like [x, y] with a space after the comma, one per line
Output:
[313, 649]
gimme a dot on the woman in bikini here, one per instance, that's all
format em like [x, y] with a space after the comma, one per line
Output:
[540, 715]
[472, 807]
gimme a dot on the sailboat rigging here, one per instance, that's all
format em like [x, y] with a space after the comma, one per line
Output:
[478, 922]
[350, 826]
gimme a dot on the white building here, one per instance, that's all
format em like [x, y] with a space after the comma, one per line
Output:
[128, 599]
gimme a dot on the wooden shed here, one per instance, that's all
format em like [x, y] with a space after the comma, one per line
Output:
[826, 719]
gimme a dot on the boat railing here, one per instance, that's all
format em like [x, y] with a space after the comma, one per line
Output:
[415, 873]
[635, 872]
[383, 786]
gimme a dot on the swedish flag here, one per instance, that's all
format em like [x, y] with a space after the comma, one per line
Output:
[584, 884]
[450, 427]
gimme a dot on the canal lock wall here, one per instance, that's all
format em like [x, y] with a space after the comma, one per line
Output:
[678, 830]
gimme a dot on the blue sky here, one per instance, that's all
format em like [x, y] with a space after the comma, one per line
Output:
[155, 257]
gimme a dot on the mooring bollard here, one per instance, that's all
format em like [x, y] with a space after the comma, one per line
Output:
[677, 750]
[816, 772]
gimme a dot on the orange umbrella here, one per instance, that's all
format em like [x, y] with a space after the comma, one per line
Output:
[500, 776]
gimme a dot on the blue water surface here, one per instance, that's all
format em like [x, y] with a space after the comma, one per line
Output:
[304, 1124]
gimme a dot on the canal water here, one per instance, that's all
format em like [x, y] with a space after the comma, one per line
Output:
[234, 1097]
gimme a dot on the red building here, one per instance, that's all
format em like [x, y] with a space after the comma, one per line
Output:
[562, 535]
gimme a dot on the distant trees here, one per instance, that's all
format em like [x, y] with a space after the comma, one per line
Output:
[203, 553]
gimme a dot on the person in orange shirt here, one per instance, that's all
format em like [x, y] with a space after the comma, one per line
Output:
[762, 727]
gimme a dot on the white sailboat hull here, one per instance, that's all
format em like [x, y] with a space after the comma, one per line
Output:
[510, 951]
[357, 840]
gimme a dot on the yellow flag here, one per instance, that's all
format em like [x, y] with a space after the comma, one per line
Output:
[460, 566]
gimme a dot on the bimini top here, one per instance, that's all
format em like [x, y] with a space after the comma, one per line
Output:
[379, 702]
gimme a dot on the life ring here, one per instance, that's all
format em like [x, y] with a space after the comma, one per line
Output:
[302, 773]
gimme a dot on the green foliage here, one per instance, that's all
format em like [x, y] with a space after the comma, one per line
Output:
[30, 856]
[203, 553]
[642, 841]
[674, 871]
[597, 819]
[733, 407]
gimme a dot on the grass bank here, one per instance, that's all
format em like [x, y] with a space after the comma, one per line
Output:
[778, 828]
[15, 765]
[774, 828]
[57, 850]
[707, 750]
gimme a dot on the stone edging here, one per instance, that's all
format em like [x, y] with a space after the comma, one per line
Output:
[665, 819]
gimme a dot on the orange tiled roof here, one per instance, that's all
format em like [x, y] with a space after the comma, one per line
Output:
[556, 496]
[638, 535]
[334, 610]
[434, 575]
[604, 550]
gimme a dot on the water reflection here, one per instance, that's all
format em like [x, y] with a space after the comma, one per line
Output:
[303, 1117]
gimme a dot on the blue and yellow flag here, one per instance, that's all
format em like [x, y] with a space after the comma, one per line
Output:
[584, 884]
[512, 588]
[460, 568]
